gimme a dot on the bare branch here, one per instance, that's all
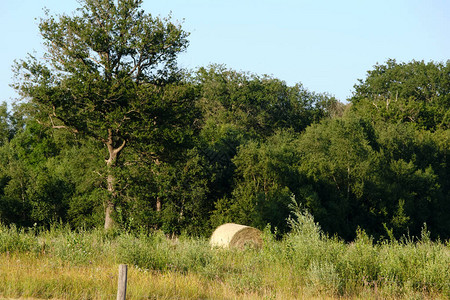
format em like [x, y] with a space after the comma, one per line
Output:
[53, 114]
[117, 150]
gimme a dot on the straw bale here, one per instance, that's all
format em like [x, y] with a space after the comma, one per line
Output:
[232, 235]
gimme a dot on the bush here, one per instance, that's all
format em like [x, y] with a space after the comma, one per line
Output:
[15, 240]
[157, 252]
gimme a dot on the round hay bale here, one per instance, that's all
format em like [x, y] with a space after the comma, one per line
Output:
[232, 235]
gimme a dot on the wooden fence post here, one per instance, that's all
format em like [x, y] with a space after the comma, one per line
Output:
[122, 283]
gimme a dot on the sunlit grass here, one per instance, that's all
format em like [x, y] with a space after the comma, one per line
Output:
[63, 264]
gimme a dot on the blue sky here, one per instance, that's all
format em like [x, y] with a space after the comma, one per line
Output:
[324, 44]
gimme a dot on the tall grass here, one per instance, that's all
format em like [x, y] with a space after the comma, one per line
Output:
[64, 264]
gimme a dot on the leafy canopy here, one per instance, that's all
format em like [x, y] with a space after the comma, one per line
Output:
[100, 66]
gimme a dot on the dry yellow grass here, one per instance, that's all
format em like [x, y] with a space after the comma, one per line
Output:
[26, 277]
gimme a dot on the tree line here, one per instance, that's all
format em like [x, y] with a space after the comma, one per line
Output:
[112, 133]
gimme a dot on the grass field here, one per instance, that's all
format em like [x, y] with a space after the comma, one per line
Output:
[63, 264]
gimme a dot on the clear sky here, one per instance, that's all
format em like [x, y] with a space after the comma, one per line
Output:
[324, 44]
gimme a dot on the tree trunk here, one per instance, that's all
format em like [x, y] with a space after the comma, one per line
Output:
[158, 199]
[109, 208]
[110, 163]
[158, 204]
[109, 205]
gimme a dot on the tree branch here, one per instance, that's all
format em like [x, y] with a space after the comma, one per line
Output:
[53, 114]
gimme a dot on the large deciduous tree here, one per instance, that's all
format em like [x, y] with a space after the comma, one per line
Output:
[415, 92]
[105, 74]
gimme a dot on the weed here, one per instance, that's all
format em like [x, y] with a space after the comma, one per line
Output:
[60, 263]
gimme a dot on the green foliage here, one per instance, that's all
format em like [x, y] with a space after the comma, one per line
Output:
[6, 128]
[359, 174]
[110, 73]
[258, 105]
[338, 158]
[180, 188]
[110, 55]
[183, 193]
[265, 176]
[415, 92]
[80, 166]
[44, 174]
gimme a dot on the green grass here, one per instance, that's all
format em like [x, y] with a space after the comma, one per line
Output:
[64, 264]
